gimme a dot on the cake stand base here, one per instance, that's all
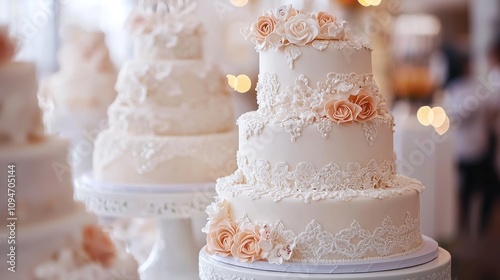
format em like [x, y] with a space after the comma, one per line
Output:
[437, 269]
[174, 255]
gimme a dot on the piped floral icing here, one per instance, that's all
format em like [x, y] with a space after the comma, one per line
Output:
[286, 26]
[250, 241]
[341, 99]
[166, 29]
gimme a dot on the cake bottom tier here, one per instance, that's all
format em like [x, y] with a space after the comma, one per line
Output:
[347, 227]
[41, 182]
[151, 160]
[438, 269]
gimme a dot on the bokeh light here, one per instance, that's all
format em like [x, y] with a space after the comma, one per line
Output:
[239, 3]
[425, 115]
[241, 84]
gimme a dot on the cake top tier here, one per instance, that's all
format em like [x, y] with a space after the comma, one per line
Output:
[84, 52]
[166, 29]
[287, 26]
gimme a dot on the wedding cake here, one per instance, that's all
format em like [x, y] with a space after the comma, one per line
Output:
[75, 99]
[45, 234]
[172, 121]
[316, 191]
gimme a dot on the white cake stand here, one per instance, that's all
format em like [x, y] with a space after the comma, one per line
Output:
[174, 254]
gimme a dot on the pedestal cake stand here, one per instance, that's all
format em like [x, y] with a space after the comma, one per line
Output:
[430, 262]
[174, 254]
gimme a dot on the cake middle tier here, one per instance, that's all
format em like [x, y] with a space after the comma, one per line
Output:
[178, 97]
[327, 154]
[150, 160]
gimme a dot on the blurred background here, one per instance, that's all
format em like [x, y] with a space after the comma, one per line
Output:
[437, 63]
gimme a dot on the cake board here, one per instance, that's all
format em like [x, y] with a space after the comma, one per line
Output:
[438, 269]
[172, 205]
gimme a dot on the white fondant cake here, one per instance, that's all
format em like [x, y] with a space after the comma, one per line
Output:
[172, 121]
[45, 225]
[76, 98]
[316, 180]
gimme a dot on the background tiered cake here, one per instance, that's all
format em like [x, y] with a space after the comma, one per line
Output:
[316, 180]
[172, 121]
[75, 99]
[50, 236]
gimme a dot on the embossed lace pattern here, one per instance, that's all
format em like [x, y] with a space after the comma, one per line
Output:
[302, 105]
[235, 185]
[151, 101]
[280, 178]
[146, 153]
[315, 244]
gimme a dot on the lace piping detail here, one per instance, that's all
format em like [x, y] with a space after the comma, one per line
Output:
[315, 244]
[149, 152]
[305, 180]
[280, 188]
[296, 107]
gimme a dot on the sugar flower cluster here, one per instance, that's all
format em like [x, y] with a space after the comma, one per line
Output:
[287, 25]
[244, 241]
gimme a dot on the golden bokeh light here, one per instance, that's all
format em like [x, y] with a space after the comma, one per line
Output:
[239, 3]
[368, 3]
[425, 115]
[365, 3]
[439, 117]
[241, 84]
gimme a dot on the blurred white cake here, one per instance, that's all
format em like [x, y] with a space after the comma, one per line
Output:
[75, 99]
[48, 229]
[172, 121]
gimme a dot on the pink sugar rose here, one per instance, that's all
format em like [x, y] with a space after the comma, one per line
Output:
[246, 245]
[342, 111]
[329, 28]
[264, 27]
[324, 19]
[301, 29]
[368, 104]
[221, 238]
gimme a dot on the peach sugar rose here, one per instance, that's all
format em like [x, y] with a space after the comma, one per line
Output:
[342, 111]
[220, 239]
[368, 104]
[324, 19]
[264, 26]
[98, 245]
[246, 245]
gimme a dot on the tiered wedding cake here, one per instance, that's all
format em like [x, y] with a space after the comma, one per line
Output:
[316, 189]
[75, 99]
[47, 235]
[172, 121]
